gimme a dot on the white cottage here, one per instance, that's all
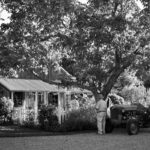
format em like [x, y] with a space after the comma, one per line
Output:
[31, 94]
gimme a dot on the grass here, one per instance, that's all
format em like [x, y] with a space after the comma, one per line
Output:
[118, 140]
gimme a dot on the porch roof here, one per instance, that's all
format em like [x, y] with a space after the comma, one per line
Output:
[26, 85]
[80, 90]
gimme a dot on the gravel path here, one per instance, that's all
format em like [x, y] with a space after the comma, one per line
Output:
[118, 140]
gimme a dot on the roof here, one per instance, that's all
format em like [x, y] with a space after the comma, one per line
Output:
[79, 90]
[28, 85]
[58, 73]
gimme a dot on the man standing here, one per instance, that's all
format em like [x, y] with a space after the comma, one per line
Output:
[101, 108]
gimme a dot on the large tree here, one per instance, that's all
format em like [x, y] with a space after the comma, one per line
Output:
[107, 37]
[99, 40]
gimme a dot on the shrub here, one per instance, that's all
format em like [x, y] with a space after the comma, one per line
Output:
[29, 120]
[133, 93]
[6, 107]
[80, 120]
[47, 119]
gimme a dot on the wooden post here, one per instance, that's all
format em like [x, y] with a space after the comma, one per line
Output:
[12, 96]
[45, 98]
[36, 107]
[59, 108]
[23, 111]
[68, 99]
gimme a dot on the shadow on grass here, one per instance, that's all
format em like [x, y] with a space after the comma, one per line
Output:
[16, 131]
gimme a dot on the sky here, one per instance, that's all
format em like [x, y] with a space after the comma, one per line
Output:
[83, 1]
[4, 16]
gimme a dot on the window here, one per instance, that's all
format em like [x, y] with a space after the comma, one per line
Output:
[30, 100]
[53, 99]
[18, 99]
[40, 99]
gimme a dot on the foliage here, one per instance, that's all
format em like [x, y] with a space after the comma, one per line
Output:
[147, 83]
[106, 40]
[80, 120]
[29, 120]
[130, 87]
[47, 119]
[134, 93]
[116, 99]
[99, 40]
[31, 39]
[126, 79]
[6, 107]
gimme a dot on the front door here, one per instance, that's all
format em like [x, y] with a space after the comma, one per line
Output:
[18, 113]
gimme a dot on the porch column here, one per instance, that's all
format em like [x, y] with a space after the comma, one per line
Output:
[68, 99]
[12, 99]
[24, 108]
[59, 108]
[12, 96]
[45, 98]
[36, 107]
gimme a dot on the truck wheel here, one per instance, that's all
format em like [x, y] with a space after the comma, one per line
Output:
[108, 127]
[132, 127]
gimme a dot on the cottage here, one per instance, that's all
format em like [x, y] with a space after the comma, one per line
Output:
[29, 95]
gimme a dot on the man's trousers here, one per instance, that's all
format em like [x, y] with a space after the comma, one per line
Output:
[101, 121]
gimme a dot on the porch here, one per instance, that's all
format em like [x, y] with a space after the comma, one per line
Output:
[29, 95]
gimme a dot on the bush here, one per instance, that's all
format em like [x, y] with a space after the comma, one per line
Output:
[133, 93]
[29, 120]
[47, 119]
[6, 107]
[80, 120]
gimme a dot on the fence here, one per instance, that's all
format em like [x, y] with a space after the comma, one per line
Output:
[19, 114]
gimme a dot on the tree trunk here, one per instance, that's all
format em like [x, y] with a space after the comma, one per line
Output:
[111, 81]
[149, 6]
[115, 74]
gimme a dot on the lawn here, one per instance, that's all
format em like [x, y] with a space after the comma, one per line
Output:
[118, 140]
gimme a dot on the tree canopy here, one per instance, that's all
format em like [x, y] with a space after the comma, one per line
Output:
[33, 33]
[94, 42]
[109, 37]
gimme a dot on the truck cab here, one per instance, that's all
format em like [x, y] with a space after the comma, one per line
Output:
[132, 117]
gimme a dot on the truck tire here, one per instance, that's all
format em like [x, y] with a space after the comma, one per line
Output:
[132, 127]
[108, 127]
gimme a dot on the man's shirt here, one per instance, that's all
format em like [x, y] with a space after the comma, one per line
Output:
[101, 106]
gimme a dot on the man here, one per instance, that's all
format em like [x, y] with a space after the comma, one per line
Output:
[101, 108]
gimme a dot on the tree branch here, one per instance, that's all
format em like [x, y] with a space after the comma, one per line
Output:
[115, 8]
[117, 58]
[48, 37]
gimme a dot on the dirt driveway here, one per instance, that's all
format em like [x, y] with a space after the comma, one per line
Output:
[118, 140]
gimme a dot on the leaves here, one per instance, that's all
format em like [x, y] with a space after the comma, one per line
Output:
[94, 42]
[106, 42]
[32, 24]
